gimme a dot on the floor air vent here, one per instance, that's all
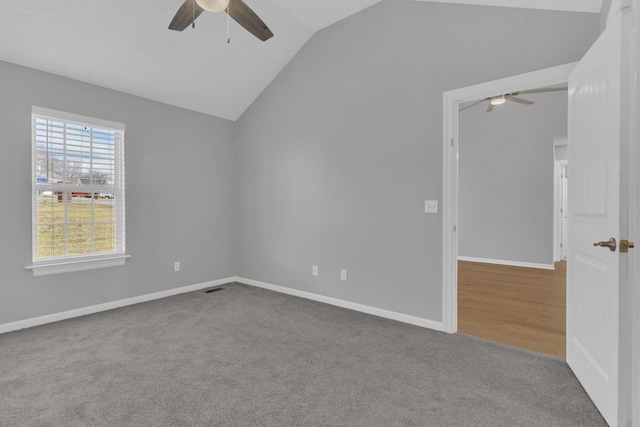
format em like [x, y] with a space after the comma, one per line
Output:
[213, 290]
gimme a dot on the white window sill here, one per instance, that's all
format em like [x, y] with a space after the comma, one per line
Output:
[78, 264]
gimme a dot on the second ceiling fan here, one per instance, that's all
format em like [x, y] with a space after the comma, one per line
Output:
[513, 97]
[237, 9]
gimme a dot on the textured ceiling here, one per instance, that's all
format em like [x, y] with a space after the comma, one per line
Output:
[125, 45]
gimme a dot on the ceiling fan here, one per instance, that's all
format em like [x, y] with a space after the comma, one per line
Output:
[236, 9]
[513, 97]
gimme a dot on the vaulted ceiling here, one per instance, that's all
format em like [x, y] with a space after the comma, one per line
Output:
[125, 45]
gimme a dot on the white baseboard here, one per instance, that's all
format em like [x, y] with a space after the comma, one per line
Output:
[505, 262]
[405, 318]
[50, 318]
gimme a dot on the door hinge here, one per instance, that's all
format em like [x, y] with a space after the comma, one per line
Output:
[452, 142]
[625, 245]
[455, 229]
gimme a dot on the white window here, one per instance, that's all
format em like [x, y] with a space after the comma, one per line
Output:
[78, 192]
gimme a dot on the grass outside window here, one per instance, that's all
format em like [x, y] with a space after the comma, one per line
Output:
[89, 228]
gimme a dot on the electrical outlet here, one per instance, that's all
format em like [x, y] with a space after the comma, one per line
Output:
[176, 266]
[314, 270]
[343, 274]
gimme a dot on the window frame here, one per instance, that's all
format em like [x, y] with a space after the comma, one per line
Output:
[68, 263]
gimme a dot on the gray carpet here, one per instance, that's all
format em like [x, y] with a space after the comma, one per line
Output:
[248, 357]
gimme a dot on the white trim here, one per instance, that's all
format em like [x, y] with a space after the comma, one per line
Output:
[558, 205]
[50, 318]
[451, 100]
[507, 262]
[405, 318]
[629, 370]
[634, 212]
[450, 216]
[557, 202]
[69, 265]
[588, 6]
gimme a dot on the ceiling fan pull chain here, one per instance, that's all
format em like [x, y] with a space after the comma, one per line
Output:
[228, 18]
[193, 14]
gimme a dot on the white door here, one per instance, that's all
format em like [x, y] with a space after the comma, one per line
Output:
[594, 211]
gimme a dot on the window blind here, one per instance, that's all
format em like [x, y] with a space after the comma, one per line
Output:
[78, 186]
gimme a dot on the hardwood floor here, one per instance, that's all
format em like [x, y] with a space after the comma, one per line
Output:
[516, 306]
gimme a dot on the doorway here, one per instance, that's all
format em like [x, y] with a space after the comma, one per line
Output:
[599, 328]
[453, 100]
[509, 290]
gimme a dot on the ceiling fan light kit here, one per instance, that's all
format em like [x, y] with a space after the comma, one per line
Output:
[498, 101]
[213, 5]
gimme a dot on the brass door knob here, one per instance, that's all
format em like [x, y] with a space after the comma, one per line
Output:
[611, 244]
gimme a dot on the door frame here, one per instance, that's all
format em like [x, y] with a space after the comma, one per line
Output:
[559, 209]
[558, 246]
[629, 361]
[634, 198]
[452, 99]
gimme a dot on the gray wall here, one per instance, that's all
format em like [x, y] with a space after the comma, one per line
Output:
[505, 178]
[330, 166]
[179, 196]
[338, 154]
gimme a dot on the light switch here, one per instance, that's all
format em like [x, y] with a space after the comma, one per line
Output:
[430, 206]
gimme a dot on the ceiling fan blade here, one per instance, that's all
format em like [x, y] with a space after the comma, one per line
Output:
[469, 106]
[520, 100]
[542, 90]
[246, 17]
[490, 108]
[185, 16]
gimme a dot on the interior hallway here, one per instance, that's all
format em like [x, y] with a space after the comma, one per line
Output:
[516, 306]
